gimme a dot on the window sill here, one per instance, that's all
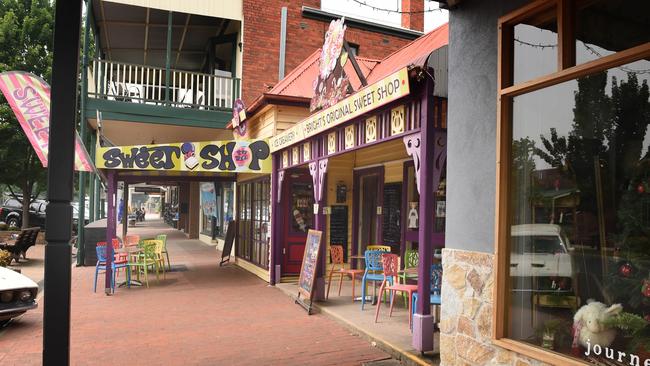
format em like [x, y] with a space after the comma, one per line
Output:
[537, 353]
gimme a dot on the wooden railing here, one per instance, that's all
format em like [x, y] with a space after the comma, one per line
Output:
[146, 84]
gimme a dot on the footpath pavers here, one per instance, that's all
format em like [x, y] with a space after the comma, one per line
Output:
[204, 315]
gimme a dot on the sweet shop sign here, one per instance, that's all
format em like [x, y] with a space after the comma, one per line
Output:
[241, 156]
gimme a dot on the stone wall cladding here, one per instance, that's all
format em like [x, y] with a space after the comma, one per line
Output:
[466, 313]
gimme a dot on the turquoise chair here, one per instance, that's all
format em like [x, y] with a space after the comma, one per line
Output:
[374, 272]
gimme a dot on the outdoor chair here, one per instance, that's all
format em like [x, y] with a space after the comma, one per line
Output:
[131, 240]
[390, 264]
[336, 252]
[146, 259]
[436, 286]
[373, 272]
[163, 237]
[383, 248]
[411, 260]
[115, 265]
[160, 258]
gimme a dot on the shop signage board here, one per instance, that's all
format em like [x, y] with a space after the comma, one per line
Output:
[29, 97]
[339, 228]
[308, 269]
[241, 156]
[154, 190]
[391, 88]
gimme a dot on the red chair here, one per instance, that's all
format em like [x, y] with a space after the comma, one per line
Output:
[131, 240]
[336, 252]
[118, 258]
[391, 265]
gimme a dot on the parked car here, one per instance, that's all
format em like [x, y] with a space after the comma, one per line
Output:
[541, 251]
[11, 212]
[17, 294]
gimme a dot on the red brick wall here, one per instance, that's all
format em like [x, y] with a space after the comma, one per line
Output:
[262, 42]
[415, 19]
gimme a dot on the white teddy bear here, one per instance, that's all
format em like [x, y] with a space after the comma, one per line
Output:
[588, 323]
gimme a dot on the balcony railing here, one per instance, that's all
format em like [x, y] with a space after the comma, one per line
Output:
[145, 84]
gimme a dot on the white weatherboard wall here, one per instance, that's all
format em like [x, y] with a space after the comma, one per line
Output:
[231, 9]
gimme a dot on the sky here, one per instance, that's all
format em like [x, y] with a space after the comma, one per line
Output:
[432, 19]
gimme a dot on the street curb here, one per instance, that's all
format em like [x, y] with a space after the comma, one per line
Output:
[402, 355]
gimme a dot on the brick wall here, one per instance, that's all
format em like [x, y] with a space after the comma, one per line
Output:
[415, 19]
[262, 42]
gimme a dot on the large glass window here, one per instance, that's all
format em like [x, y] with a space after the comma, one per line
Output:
[580, 216]
[254, 205]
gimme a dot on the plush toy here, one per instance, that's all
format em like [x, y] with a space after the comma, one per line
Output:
[588, 323]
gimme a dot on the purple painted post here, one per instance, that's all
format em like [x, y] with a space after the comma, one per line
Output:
[275, 212]
[110, 227]
[422, 320]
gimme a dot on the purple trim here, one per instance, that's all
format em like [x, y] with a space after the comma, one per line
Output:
[280, 179]
[405, 174]
[427, 196]
[413, 145]
[110, 226]
[322, 169]
[440, 156]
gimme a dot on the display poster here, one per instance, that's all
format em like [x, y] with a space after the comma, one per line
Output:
[29, 98]
[241, 156]
[208, 199]
[391, 88]
[392, 217]
[309, 263]
[339, 228]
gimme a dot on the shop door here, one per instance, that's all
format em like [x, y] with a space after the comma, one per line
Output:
[368, 207]
[299, 211]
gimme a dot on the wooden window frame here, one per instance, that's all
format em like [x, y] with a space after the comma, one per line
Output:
[567, 70]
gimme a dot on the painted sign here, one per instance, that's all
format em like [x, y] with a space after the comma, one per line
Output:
[309, 263]
[239, 118]
[331, 84]
[380, 93]
[208, 199]
[242, 156]
[29, 97]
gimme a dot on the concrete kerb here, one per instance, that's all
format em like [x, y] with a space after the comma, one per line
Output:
[407, 358]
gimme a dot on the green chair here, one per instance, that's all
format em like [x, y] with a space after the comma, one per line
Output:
[146, 259]
[163, 238]
[411, 260]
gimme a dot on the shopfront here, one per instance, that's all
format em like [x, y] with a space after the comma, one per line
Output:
[561, 274]
[369, 170]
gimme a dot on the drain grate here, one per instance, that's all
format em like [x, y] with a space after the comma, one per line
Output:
[178, 268]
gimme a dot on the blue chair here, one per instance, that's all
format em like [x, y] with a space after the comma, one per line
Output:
[374, 272]
[101, 266]
[436, 285]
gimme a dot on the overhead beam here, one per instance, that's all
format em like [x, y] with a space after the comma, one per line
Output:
[149, 50]
[108, 44]
[180, 46]
[123, 23]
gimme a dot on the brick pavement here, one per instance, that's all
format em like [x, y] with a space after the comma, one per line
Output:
[206, 315]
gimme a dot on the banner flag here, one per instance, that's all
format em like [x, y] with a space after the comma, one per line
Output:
[29, 97]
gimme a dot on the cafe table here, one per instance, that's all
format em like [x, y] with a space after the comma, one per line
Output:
[131, 251]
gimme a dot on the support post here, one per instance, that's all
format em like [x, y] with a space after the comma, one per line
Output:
[60, 175]
[423, 320]
[168, 55]
[125, 209]
[283, 41]
[93, 177]
[275, 217]
[81, 252]
[111, 226]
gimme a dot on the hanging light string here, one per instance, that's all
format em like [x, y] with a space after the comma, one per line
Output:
[396, 10]
[588, 48]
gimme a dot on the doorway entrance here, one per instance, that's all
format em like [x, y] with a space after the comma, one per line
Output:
[368, 202]
[299, 212]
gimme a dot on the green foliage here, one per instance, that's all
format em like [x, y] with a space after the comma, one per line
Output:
[5, 258]
[630, 324]
[26, 28]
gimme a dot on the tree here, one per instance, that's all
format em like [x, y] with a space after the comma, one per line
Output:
[25, 44]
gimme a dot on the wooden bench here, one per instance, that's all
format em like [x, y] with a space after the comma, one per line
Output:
[25, 240]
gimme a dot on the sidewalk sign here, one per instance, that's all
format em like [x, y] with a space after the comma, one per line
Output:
[308, 269]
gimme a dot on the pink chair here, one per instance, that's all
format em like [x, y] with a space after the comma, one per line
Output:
[131, 240]
[336, 252]
[391, 265]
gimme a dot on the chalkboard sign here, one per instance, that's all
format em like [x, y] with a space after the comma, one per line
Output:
[339, 228]
[391, 228]
[230, 239]
[309, 263]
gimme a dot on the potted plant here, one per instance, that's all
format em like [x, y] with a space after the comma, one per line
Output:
[554, 332]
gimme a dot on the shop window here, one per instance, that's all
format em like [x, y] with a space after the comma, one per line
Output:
[254, 202]
[535, 46]
[576, 190]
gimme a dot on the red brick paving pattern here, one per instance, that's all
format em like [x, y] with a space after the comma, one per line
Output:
[205, 316]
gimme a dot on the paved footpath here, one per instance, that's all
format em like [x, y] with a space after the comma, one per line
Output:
[205, 315]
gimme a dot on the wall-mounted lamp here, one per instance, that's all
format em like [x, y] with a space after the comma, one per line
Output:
[240, 46]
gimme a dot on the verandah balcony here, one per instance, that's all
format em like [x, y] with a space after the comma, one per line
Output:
[143, 84]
